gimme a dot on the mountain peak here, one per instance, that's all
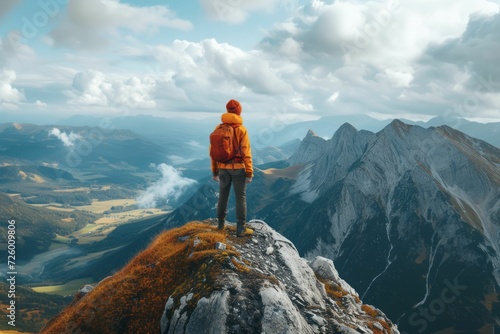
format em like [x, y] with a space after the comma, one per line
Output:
[400, 125]
[346, 129]
[196, 277]
[310, 133]
[397, 129]
[310, 147]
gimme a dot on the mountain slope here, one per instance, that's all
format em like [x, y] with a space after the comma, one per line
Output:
[156, 128]
[36, 226]
[184, 137]
[32, 309]
[408, 214]
[33, 174]
[182, 283]
[419, 206]
[489, 132]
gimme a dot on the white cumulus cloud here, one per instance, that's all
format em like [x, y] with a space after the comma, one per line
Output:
[9, 95]
[390, 56]
[207, 72]
[380, 57]
[94, 88]
[90, 24]
[170, 186]
[68, 140]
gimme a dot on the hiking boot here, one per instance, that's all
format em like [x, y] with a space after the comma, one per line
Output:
[242, 231]
[220, 225]
[246, 232]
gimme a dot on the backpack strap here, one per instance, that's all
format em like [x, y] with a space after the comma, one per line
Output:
[236, 144]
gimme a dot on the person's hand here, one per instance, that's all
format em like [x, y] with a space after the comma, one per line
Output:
[248, 180]
[216, 178]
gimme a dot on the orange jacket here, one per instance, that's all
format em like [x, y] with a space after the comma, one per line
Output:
[246, 152]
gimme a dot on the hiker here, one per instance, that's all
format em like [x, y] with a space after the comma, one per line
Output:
[237, 170]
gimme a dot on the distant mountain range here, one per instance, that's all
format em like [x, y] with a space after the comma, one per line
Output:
[409, 215]
[190, 133]
[103, 155]
[89, 145]
[324, 127]
[184, 139]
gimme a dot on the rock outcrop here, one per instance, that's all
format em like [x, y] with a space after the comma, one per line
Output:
[197, 279]
[269, 288]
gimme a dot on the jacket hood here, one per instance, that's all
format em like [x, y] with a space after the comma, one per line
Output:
[230, 118]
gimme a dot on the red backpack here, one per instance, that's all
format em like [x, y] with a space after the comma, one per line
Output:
[223, 143]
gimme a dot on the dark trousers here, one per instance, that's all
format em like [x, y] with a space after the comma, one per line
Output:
[237, 177]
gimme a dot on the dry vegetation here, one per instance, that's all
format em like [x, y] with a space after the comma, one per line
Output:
[336, 292]
[133, 300]
[333, 290]
[372, 312]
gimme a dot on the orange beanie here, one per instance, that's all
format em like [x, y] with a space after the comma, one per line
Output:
[234, 107]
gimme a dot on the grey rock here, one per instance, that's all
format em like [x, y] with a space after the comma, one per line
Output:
[196, 242]
[280, 316]
[85, 289]
[169, 304]
[318, 320]
[276, 293]
[210, 314]
[362, 329]
[220, 246]
[347, 330]
[325, 268]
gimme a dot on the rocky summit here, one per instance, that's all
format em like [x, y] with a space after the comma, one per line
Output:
[197, 279]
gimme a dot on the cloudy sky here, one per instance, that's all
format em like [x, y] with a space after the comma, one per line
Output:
[301, 58]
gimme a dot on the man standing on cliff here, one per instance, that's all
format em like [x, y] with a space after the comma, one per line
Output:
[237, 171]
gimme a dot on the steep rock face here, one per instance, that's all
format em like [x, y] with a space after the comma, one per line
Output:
[195, 279]
[309, 148]
[341, 154]
[419, 208]
[331, 159]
